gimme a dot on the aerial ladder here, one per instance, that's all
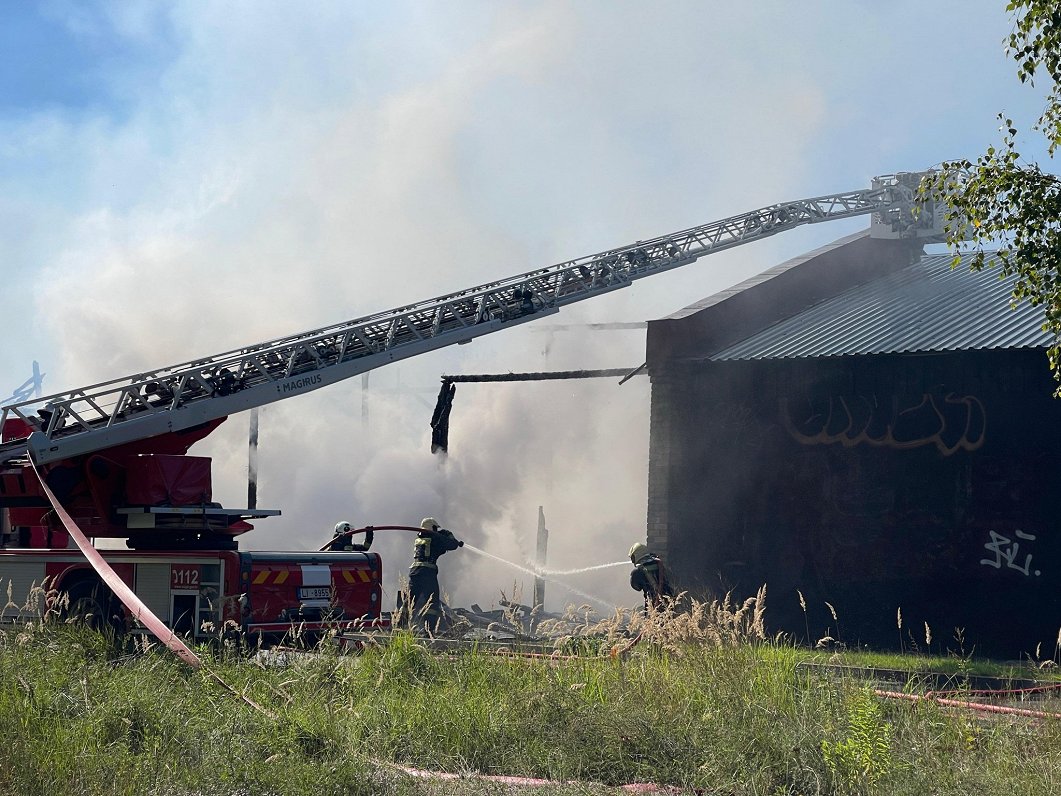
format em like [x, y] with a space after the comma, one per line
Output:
[110, 459]
[202, 392]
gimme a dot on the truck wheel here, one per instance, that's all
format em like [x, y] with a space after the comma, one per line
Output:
[91, 603]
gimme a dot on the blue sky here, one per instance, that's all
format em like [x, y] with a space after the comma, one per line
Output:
[74, 58]
[181, 178]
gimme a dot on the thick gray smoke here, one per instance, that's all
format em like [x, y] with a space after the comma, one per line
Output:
[578, 448]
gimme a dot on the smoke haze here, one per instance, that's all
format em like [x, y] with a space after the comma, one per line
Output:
[267, 170]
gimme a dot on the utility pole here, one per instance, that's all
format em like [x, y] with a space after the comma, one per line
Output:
[252, 462]
[364, 400]
[543, 542]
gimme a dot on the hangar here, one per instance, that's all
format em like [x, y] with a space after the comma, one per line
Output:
[868, 430]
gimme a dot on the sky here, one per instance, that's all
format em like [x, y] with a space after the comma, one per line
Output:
[178, 179]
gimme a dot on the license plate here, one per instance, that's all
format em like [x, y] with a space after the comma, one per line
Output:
[314, 593]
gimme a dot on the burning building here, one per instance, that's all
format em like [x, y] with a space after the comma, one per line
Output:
[864, 427]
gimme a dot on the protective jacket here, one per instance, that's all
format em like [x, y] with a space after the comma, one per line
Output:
[344, 542]
[650, 578]
[427, 548]
[424, 590]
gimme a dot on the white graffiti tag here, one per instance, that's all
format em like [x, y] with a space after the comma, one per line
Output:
[1006, 550]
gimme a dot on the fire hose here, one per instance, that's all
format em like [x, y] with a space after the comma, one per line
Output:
[140, 611]
[533, 782]
[980, 707]
[366, 529]
[121, 590]
[136, 607]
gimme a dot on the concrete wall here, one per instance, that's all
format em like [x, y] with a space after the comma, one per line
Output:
[921, 483]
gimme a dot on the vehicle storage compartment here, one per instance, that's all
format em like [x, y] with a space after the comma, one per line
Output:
[161, 480]
[313, 591]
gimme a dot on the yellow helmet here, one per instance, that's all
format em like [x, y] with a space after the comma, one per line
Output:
[429, 523]
[637, 551]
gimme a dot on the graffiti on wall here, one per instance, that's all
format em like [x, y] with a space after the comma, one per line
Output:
[1007, 552]
[950, 423]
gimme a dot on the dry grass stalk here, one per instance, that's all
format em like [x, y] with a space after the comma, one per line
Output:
[682, 622]
[717, 623]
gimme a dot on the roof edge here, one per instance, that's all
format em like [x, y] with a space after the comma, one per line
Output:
[731, 315]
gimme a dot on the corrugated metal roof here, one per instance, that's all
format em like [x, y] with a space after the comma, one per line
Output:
[927, 306]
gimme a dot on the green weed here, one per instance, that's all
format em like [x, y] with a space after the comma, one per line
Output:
[704, 701]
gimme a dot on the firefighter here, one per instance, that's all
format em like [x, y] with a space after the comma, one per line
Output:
[343, 541]
[649, 577]
[425, 597]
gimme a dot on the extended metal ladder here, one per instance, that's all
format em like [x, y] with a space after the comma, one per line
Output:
[184, 395]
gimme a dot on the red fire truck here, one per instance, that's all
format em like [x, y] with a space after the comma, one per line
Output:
[114, 454]
[182, 557]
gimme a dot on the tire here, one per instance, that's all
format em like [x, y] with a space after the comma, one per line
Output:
[92, 604]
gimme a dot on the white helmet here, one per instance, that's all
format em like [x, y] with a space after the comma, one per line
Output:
[342, 527]
[429, 523]
[637, 551]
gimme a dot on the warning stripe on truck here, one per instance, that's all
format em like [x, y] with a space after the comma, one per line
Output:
[271, 577]
[276, 577]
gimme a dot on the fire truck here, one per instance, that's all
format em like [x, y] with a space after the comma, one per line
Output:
[114, 455]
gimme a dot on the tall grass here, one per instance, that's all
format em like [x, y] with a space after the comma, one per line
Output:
[704, 701]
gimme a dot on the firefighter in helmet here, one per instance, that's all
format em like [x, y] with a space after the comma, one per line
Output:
[343, 540]
[649, 577]
[425, 597]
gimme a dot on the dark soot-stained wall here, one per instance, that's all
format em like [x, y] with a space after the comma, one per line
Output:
[916, 482]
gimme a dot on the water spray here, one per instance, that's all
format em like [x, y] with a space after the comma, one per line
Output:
[544, 573]
[541, 572]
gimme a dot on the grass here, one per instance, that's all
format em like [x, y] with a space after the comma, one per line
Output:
[704, 701]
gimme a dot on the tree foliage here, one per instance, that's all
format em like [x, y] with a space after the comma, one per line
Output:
[1002, 202]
